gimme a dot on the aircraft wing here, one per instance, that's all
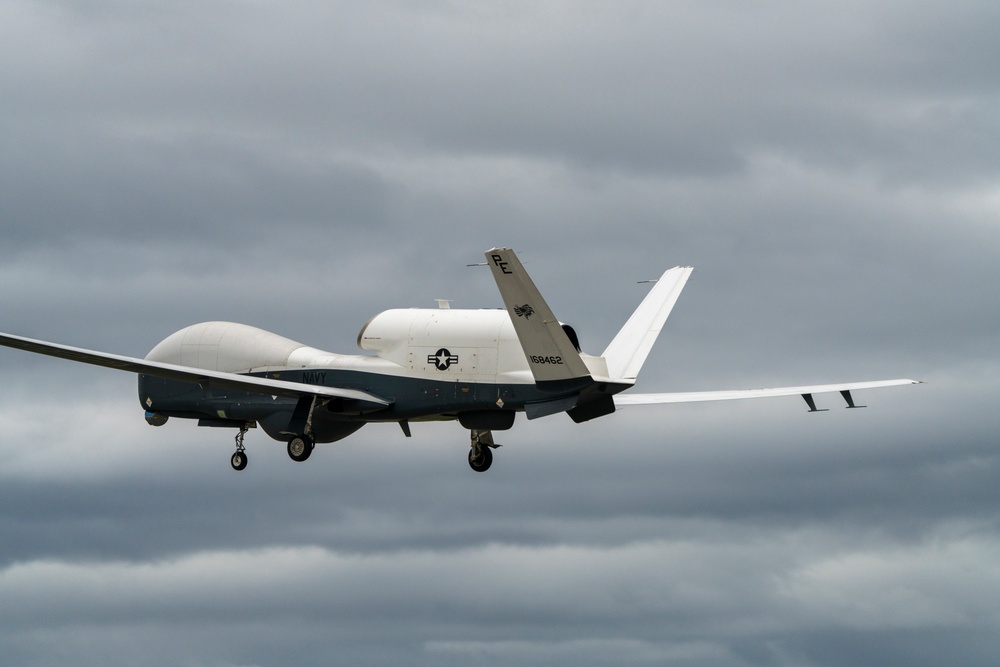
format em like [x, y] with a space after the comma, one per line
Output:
[204, 377]
[805, 391]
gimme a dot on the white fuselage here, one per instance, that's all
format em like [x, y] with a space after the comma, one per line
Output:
[474, 346]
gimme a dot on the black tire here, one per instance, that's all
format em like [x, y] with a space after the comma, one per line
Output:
[239, 460]
[483, 462]
[300, 447]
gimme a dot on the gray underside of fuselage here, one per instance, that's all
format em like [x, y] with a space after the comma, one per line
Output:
[412, 399]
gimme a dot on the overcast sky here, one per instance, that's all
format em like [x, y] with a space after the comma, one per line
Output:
[830, 169]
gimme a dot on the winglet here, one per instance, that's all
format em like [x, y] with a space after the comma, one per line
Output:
[550, 353]
[630, 347]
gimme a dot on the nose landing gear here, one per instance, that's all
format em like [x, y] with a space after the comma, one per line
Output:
[239, 458]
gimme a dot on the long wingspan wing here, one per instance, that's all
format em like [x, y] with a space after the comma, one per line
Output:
[805, 391]
[185, 373]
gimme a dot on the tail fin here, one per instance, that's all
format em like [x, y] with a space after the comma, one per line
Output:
[629, 349]
[550, 353]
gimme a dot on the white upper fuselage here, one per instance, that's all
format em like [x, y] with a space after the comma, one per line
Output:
[475, 346]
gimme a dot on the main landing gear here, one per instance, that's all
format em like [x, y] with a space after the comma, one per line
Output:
[481, 454]
[300, 447]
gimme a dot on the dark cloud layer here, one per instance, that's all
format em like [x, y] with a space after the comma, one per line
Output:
[830, 170]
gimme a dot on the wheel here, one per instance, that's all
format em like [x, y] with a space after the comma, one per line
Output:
[482, 462]
[300, 447]
[239, 460]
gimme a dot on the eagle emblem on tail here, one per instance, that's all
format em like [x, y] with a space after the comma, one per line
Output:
[524, 311]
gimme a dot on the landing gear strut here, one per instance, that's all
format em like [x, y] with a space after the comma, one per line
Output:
[300, 447]
[239, 458]
[481, 454]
